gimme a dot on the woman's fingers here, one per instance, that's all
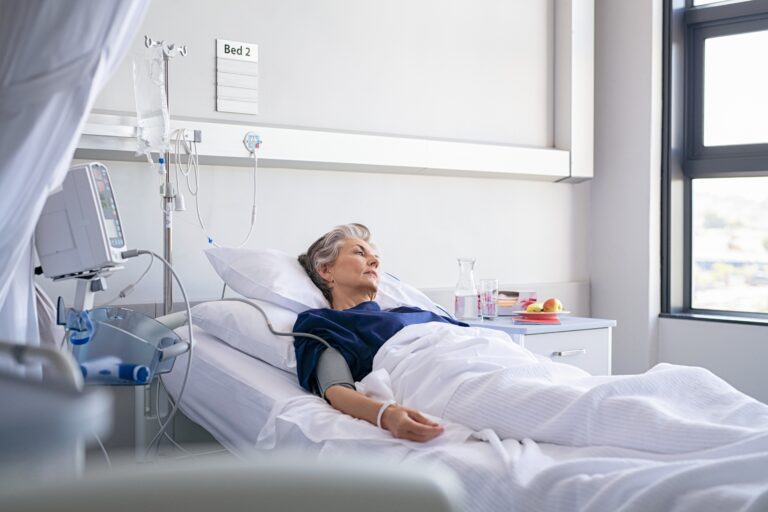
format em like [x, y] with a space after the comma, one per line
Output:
[416, 415]
[421, 432]
[422, 437]
[410, 424]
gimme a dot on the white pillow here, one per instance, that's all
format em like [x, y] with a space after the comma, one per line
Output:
[394, 293]
[244, 328]
[267, 275]
[277, 277]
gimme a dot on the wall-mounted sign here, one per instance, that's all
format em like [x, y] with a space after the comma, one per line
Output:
[238, 51]
[237, 77]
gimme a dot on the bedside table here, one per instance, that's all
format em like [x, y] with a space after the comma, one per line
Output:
[582, 342]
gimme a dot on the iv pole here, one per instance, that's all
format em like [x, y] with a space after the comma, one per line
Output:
[168, 193]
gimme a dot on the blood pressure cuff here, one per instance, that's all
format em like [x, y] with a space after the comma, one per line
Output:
[332, 370]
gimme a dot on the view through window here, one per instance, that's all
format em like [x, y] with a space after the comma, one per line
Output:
[735, 106]
[730, 244]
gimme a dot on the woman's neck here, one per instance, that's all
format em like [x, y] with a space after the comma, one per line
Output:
[351, 299]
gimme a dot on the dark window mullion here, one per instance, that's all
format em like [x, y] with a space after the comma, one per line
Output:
[714, 13]
[694, 92]
[715, 161]
[744, 167]
[687, 243]
[666, 143]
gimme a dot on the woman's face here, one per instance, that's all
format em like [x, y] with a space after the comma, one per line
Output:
[355, 269]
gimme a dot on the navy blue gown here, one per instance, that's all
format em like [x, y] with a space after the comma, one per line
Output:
[357, 333]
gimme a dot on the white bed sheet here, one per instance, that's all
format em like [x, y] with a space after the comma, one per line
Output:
[232, 396]
[229, 393]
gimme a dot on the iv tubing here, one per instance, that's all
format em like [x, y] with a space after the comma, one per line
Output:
[193, 166]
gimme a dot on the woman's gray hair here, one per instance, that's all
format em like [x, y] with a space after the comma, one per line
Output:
[325, 250]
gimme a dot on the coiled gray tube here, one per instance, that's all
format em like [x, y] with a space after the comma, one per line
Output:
[272, 329]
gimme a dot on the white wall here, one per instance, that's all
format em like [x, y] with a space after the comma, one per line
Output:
[625, 213]
[737, 353]
[480, 71]
[421, 224]
[624, 252]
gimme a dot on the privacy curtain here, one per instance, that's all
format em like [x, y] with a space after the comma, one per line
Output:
[55, 55]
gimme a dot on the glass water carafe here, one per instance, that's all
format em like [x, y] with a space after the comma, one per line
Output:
[465, 298]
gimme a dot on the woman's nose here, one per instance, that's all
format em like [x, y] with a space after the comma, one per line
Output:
[373, 262]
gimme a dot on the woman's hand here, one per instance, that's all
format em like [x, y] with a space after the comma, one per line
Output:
[406, 423]
[401, 422]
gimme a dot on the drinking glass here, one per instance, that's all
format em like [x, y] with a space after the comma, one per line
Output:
[489, 295]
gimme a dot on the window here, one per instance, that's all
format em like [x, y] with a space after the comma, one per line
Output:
[729, 250]
[735, 85]
[715, 190]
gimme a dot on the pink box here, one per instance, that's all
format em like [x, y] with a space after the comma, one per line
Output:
[511, 301]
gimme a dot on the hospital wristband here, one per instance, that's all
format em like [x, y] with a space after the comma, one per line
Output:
[381, 412]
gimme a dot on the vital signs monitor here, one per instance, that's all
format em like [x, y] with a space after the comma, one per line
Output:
[79, 232]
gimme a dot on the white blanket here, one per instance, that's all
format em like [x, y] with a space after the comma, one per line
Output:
[674, 438]
[479, 378]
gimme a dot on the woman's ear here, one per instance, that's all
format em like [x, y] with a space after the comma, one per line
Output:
[325, 273]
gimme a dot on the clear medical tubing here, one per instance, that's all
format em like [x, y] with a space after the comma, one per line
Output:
[193, 169]
[164, 425]
[466, 298]
[169, 418]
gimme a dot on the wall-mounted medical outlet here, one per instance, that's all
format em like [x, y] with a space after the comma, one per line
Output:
[189, 135]
[251, 142]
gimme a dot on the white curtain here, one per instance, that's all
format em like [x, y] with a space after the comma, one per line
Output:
[55, 55]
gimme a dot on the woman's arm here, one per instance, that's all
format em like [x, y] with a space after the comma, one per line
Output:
[336, 384]
[401, 422]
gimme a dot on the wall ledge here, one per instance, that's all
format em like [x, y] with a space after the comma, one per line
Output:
[724, 319]
[112, 137]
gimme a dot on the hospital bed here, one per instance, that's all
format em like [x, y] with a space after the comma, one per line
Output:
[233, 395]
[251, 406]
[242, 388]
[245, 389]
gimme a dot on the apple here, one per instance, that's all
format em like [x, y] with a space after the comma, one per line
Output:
[552, 305]
[536, 307]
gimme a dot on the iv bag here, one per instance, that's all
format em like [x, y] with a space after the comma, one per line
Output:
[153, 122]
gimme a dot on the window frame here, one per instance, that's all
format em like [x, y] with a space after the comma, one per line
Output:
[716, 161]
[684, 157]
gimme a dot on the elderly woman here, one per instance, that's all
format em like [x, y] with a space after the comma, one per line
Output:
[344, 264]
[669, 409]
